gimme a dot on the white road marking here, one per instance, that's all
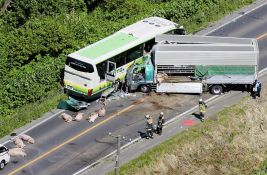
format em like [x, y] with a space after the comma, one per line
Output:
[234, 19]
[48, 118]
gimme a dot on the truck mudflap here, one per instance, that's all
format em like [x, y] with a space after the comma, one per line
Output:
[194, 88]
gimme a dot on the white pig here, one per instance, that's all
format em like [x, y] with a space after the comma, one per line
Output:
[79, 117]
[101, 112]
[19, 143]
[66, 117]
[17, 152]
[27, 138]
[92, 117]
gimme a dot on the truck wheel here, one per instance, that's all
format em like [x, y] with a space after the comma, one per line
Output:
[216, 90]
[144, 88]
[2, 164]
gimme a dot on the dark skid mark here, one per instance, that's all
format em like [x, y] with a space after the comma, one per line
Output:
[72, 144]
[106, 142]
[159, 106]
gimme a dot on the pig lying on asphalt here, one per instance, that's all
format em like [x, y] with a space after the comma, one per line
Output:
[66, 117]
[78, 117]
[19, 143]
[101, 112]
[27, 138]
[92, 117]
[16, 152]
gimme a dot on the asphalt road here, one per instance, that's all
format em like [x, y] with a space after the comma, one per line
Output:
[63, 148]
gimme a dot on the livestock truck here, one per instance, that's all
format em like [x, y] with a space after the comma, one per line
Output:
[195, 64]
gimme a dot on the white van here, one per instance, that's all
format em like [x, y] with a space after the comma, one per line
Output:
[4, 156]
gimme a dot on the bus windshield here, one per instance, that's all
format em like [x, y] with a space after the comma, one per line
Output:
[79, 65]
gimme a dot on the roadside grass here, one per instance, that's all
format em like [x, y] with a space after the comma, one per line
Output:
[232, 142]
[30, 112]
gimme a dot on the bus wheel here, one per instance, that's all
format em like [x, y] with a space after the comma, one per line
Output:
[216, 89]
[144, 88]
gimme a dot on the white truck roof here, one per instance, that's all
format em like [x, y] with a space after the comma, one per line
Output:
[203, 50]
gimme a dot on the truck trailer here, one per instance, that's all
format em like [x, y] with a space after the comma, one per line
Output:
[195, 64]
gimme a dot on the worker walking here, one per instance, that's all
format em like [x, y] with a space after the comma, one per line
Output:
[258, 86]
[202, 109]
[149, 127]
[161, 121]
[256, 91]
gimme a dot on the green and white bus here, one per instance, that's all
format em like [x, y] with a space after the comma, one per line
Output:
[95, 68]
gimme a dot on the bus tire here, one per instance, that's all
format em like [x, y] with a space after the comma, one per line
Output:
[216, 89]
[144, 88]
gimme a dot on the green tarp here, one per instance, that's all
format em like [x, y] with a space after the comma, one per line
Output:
[72, 104]
[203, 71]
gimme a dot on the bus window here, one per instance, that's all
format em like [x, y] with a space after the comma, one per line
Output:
[79, 65]
[119, 59]
[177, 32]
[134, 53]
[148, 45]
[101, 69]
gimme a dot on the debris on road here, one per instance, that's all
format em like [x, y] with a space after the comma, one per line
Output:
[66, 117]
[27, 138]
[73, 104]
[16, 152]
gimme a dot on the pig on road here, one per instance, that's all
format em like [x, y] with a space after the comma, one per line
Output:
[27, 138]
[66, 117]
[16, 152]
[78, 117]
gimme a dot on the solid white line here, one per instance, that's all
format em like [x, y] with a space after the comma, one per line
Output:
[48, 118]
[103, 158]
[239, 16]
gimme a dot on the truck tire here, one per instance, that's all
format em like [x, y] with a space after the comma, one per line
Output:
[2, 164]
[216, 89]
[144, 88]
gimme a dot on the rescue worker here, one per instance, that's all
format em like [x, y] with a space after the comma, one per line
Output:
[202, 109]
[161, 121]
[258, 86]
[149, 127]
[256, 90]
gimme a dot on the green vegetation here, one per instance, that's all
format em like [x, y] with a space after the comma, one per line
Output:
[36, 36]
[232, 142]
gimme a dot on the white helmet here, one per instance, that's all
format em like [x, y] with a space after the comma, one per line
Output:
[147, 116]
[161, 113]
[200, 100]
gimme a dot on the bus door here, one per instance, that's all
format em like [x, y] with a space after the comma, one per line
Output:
[111, 71]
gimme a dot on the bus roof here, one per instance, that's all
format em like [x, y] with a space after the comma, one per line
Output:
[124, 39]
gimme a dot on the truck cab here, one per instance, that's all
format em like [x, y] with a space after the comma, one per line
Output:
[141, 76]
[4, 156]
